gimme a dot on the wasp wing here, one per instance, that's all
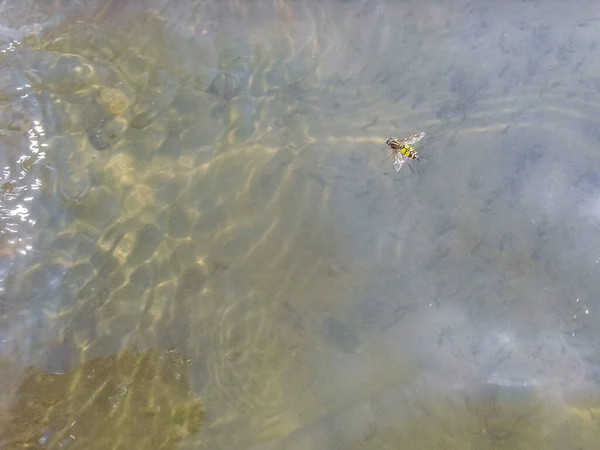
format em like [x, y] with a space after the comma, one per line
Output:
[398, 162]
[413, 139]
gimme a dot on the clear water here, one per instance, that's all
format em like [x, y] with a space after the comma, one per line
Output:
[204, 245]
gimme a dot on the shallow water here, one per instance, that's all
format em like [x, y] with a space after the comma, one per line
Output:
[203, 244]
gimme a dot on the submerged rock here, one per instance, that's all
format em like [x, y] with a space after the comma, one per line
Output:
[224, 85]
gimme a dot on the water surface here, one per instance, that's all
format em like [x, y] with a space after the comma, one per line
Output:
[204, 245]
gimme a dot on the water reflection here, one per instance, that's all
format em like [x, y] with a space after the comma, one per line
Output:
[209, 179]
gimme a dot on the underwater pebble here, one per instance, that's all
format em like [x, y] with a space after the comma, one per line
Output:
[107, 133]
[224, 85]
[70, 73]
[73, 186]
[149, 109]
[144, 119]
[114, 100]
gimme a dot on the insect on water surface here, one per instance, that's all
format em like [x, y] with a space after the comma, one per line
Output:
[402, 148]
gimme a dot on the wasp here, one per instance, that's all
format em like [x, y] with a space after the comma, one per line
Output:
[402, 148]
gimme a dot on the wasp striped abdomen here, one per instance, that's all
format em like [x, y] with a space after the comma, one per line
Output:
[409, 152]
